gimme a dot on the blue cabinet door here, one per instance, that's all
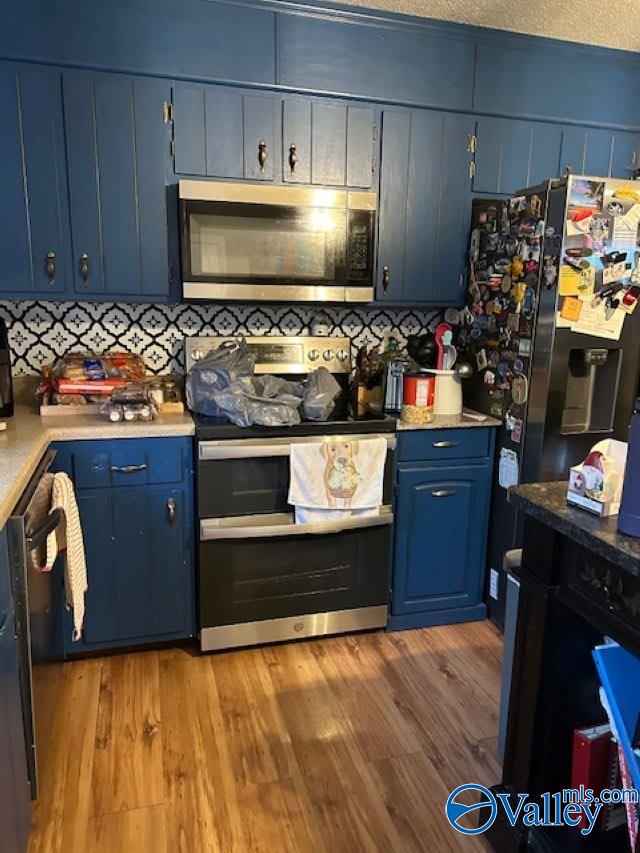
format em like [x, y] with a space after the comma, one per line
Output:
[138, 533]
[625, 157]
[296, 140]
[117, 146]
[425, 203]
[513, 154]
[208, 131]
[34, 214]
[587, 151]
[392, 219]
[361, 137]
[328, 143]
[262, 133]
[440, 525]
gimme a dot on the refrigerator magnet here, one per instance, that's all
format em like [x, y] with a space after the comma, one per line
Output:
[524, 347]
[520, 389]
[518, 365]
[494, 358]
[508, 474]
[516, 432]
[550, 271]
[481, 359]
[513, 322]
[489, 378]
[505, 284]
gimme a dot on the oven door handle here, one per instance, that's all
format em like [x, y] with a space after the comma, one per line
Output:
[248, 448]
[283, 524]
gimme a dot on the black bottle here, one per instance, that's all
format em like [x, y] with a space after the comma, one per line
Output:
[6, 385]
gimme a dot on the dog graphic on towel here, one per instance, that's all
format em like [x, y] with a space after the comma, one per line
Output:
[341, 476]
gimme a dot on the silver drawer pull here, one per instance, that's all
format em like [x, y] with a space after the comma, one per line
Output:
[446, 443]
[444, 493]
[128, 469]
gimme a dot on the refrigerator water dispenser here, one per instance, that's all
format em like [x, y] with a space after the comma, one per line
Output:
[592, 390]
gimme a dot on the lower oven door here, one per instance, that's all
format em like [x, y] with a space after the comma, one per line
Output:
[266, 579]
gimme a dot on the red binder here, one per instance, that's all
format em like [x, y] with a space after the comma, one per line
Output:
[595, 765]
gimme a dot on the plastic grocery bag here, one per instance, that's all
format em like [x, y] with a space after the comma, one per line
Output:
[265, 400]
[215, 372]
[320, 392]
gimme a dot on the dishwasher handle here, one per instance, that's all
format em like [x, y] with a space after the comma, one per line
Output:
[36, 539]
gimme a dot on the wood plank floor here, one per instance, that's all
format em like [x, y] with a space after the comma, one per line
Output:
[340, 744]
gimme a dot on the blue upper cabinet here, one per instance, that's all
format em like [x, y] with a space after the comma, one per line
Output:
[425, 200]
[534, 78]
[404, 63]
[513, 154]
[598, 152]
[196, 39]
[34, 221]
[259, 136]
[327, 143]
[226, 133]
[117, 149]
[261, 113]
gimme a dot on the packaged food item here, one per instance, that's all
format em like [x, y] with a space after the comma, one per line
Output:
[131, 402]
[418, 398]
[86, 374]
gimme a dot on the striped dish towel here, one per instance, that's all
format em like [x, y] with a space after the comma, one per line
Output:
[67, 538]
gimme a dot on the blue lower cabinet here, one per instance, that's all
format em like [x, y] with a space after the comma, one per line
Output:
[138, 540]
[441, 519]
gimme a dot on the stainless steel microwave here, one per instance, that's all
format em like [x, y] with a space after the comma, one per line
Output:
[256, 243]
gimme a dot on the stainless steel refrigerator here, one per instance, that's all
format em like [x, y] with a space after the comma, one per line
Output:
[552, 329]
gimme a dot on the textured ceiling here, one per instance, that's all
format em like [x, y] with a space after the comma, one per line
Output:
[612, 23]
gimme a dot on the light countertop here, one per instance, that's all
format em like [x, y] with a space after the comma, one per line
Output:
[28, 435]
[462, 421]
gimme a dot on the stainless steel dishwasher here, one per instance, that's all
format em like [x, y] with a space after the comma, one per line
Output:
[37, 598]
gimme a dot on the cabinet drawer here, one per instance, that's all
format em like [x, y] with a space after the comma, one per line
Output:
[443, 444]
[140, 462]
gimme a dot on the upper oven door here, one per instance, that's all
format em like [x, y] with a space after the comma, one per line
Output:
[257, 243]
[251, 476]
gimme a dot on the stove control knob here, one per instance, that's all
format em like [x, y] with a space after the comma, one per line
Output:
[327, 355]
[342, 354]
[197, 354]
[314, 355]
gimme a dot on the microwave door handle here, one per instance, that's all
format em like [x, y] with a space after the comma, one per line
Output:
[211, 529]
[246, 449]
[36, 539]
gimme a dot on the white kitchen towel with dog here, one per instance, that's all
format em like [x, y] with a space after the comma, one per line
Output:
[337, 479]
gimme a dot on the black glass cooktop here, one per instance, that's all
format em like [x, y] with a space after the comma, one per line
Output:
[212, 428]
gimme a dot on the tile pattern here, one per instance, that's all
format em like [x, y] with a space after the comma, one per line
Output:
[39, 332]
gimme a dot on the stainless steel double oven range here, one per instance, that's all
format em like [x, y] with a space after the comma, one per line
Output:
[262, 577]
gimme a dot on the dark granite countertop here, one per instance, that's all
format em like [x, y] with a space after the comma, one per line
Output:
[548, 503]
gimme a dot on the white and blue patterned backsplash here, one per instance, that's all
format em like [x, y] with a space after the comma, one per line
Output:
[40, 332]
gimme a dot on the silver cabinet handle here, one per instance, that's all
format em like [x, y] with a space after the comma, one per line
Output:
[446, 443]
[128, 469]
[444, 493]
[171, 510]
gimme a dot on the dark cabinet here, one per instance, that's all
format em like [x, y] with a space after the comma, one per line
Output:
[424, 208]
[136, 507]
[512, 154]
[117, 145]
[15, 790]
[34, 219]
[441, 529]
